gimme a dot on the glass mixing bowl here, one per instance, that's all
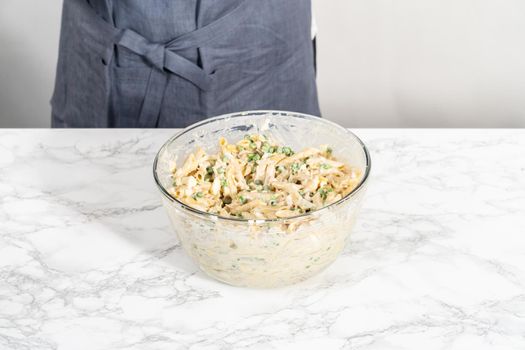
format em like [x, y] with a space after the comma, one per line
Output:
[263, 253]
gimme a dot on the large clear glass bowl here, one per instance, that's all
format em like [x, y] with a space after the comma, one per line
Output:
[263, 253]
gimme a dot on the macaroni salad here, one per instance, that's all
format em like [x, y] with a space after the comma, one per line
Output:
[259, 179]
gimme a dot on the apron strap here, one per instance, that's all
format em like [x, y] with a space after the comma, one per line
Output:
[153, 98]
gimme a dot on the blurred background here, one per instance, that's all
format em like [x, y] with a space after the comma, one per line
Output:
[402, 63]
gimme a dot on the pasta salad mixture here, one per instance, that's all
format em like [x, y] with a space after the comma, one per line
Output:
[259, 179]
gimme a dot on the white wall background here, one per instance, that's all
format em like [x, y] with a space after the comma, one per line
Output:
[29, 32]
[381, 63]
[422, 62]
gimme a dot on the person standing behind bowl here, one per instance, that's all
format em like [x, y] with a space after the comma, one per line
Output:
[171, 63]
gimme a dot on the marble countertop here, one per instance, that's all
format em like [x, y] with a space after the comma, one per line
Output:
[88, 259]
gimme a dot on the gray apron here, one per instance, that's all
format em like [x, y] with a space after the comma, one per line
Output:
[170, 63]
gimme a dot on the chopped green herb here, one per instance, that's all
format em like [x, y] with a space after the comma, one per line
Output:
[209, 170]
[279, 149]
[253, 144]
[287, 151]
[295, 168]
[253, 157]
[265, 147]
[198, 195]
[323, 192]
[240, 148]
[224, 183]
[280, 168]
[220, 170]
[329, 150]
[243, 199]
[325, 166]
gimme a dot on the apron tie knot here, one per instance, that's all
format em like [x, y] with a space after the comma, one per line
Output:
[165, 58]
[154, 53]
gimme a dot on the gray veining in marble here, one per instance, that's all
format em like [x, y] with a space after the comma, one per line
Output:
[88, 260]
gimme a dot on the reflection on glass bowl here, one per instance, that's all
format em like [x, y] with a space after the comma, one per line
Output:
[263, 253]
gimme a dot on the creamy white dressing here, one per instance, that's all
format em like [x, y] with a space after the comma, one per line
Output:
[251, 254]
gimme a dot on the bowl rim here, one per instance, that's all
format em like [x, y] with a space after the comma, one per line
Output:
[212, 216]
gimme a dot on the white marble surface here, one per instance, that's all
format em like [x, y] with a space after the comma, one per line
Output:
[88, 260]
